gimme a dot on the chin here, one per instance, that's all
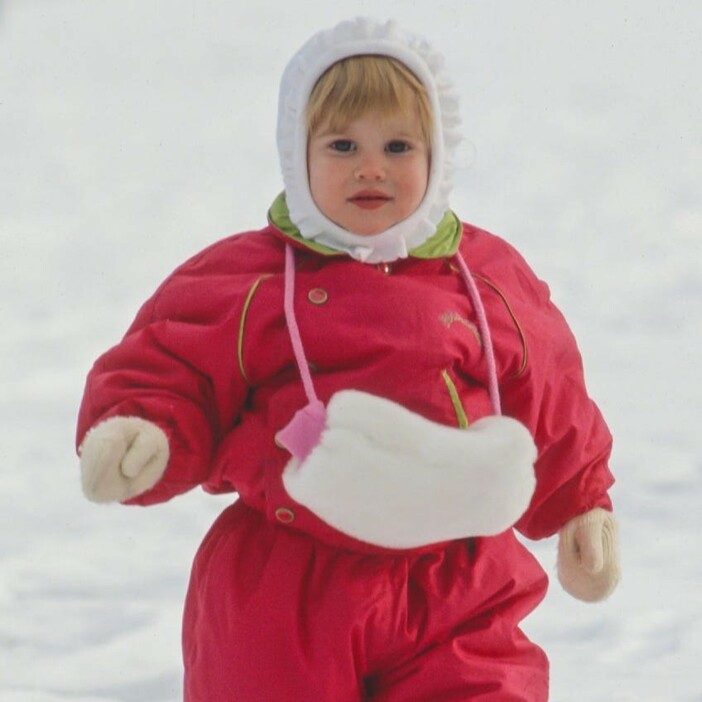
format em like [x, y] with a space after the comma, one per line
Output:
[365, 228]
[366, 232]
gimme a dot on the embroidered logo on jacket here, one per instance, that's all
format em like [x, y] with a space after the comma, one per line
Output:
[450, 317]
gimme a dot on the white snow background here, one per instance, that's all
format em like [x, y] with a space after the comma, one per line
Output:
[135, 132]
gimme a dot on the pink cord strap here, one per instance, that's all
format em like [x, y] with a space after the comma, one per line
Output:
[293, 329]
[484, 327]
[299, 351]
[302, 433]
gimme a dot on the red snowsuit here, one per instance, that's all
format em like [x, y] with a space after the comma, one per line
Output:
[281, 605]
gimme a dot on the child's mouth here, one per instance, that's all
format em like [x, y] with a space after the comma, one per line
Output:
[369, 199]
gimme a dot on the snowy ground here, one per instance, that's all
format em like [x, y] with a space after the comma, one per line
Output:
[133, 133]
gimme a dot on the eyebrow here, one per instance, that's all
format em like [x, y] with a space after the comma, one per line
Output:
[408, 135]
[326, 133]
[394, 135]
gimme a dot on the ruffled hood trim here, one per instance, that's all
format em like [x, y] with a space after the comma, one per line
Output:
[442, 243]
[352, 38]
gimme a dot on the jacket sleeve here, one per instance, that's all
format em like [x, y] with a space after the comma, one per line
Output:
[177, 367]
[549, 396]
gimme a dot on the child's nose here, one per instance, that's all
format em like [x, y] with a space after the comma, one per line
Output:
[370, 169]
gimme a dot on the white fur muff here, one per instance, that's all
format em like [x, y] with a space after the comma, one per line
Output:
[389, 477]
[121, 458]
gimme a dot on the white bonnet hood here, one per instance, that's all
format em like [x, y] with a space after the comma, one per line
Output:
[353, 38]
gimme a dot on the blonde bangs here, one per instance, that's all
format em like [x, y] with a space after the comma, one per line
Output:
[357, 85]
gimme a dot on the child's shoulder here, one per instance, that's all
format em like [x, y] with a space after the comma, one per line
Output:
[218, 275]
[493, 258]
[481, 243]
[249, 252]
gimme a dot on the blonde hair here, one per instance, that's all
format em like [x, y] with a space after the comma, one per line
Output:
[357, 85]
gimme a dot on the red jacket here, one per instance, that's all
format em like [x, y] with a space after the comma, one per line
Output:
[208, 359]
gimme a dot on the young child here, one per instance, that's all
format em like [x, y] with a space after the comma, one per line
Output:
[387, 389]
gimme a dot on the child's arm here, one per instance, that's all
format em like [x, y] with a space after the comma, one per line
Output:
[174, 384]
[542, 384]
[574, 446]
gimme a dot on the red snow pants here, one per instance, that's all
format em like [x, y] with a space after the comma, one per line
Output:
[274, 615]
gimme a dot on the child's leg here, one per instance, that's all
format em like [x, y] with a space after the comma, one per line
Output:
[462, 618]
[270, 615]
[451, 673]
[273, 614]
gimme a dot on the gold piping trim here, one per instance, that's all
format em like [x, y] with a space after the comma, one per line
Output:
[522, 337]
[461, 417]
[242, 324]
[520, 331]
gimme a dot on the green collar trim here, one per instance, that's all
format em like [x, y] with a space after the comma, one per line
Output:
[444, 242]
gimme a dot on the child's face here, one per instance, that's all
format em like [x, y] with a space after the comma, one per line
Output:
[372, 174]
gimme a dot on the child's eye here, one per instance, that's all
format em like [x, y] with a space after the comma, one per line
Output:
[342, 145]
[397, 147]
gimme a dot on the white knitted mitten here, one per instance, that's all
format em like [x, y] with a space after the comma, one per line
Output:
[588, 556]
[121, 458]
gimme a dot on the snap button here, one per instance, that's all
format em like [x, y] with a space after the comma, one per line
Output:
[317, 296]
[285, 515]
[385, 268]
